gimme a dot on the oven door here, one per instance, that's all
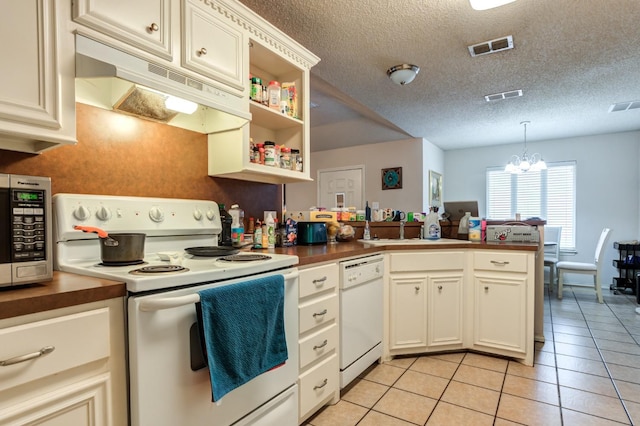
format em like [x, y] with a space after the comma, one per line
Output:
[164, 389]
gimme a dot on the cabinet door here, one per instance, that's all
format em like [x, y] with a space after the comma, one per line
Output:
[212, 47]
[36, 99]
[145, 24]
[85, 403]
[408, 310]
[500, 315]
[445, 313]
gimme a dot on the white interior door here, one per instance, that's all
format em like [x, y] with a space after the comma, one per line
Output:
[341, 187]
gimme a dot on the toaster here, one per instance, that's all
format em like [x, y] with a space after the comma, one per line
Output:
[312, 233]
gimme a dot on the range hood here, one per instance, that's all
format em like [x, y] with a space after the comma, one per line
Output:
[111, 79]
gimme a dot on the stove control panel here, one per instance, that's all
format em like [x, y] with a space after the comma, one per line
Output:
[153, 216]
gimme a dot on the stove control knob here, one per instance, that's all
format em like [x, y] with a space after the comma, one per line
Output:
[103, 213]
[156, 214]
[211, 214]
[81, 213]
[197, 214]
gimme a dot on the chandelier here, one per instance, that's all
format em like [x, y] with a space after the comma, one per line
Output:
[526, 162]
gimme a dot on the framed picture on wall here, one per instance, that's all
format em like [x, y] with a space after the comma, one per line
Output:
[392, 178]
[435, 189]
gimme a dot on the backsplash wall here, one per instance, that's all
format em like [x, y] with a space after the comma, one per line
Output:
[122, 155]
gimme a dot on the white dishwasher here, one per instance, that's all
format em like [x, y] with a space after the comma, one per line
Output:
[361, 324]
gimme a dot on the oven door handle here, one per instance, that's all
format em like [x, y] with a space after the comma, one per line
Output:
[158, 304]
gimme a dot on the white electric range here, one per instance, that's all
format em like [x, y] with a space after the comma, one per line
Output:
[166, 385]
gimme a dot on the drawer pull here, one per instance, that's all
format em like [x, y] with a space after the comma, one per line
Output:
[22, 358]
[324, 383]
[500, 262]
[316, 347]
[320, 281]
[319, 314]
[153, 27]
[202, 52]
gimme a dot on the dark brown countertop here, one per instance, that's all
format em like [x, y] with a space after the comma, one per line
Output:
[70, 289]
[328, 252]
[62, 291]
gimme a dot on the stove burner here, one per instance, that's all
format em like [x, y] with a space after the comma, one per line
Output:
[159, 269]
[244, 257]
[111, 264]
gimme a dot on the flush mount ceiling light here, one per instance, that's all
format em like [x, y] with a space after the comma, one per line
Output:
[526, 162]
[488, 4]
[403, 74]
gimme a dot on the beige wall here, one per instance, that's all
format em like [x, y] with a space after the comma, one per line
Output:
[407, 153]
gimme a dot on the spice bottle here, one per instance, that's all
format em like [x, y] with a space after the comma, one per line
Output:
[269, 153]
[256, 89]
[237, 225]
[273, 95]
[257, 235]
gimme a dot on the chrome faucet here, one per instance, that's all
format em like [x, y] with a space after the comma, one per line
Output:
[402, 229]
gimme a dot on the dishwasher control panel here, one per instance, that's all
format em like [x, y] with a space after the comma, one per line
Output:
[361, 270]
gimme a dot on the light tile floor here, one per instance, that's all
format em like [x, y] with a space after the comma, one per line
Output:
[587, 372]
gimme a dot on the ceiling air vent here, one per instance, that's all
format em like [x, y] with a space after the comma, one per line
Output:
[503, 95]
[624, 106]
[492, 46]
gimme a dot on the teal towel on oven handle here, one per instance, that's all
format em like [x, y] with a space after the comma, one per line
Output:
[243, 328]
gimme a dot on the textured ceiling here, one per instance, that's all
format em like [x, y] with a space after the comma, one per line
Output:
[572, 59]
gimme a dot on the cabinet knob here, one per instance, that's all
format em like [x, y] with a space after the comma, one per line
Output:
[153, 27]
[440, 287]
[417, 288]
[486, 288]
[202, 52]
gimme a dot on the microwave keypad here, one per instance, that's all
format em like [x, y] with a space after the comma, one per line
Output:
[28, 234]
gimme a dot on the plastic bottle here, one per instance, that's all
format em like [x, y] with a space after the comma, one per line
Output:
[237, 225]
[271, 231]
[367, 231]
[274, 95]
[257, 235]
[224, 239]
[432, 228]
[463, 226]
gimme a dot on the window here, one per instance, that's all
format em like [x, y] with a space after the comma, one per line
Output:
[549, 194]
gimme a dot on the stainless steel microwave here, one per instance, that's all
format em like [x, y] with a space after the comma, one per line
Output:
[25, 230]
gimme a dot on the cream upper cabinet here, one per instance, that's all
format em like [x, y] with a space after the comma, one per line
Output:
[145, 24]
[37, 105]
[212, 47]
[272, 56]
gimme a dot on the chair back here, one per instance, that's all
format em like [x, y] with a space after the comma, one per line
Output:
[552, 236]
[604, 237]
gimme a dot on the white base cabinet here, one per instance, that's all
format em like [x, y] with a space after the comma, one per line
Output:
[64, 367]
[319, 340]
[460, 299]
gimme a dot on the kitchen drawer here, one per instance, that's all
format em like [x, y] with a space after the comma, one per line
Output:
[319, 279]
[319, 383]
[77, 339]
[318, 344]
[421, 261]
[318, 312]
[500, 261]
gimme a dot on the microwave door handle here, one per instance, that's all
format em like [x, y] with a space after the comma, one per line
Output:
[158, 304]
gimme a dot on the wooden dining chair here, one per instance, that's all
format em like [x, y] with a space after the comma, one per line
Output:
[594, 269]
[552, 236]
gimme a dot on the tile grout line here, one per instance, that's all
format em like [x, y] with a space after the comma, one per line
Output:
[604, 362]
